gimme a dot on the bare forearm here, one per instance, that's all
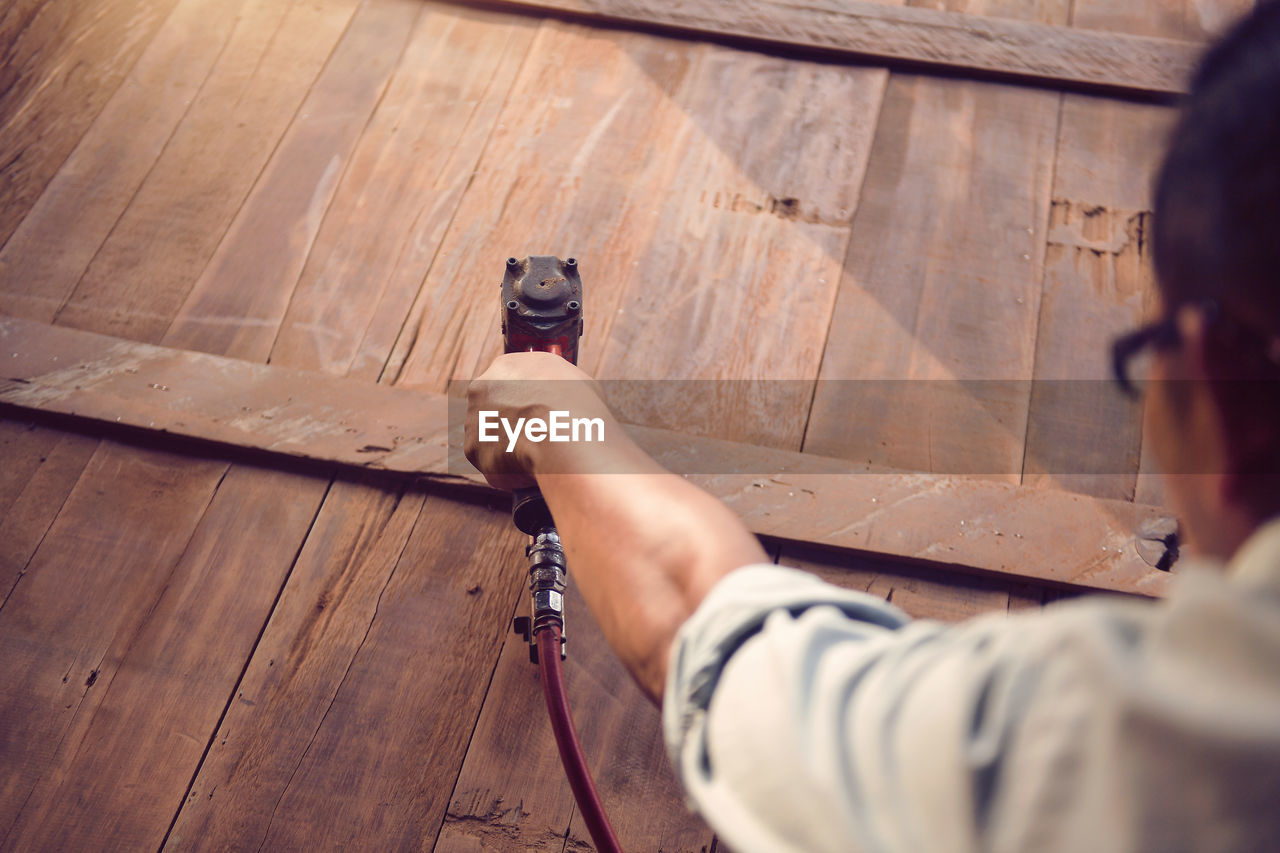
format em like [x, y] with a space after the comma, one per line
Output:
[644, 547]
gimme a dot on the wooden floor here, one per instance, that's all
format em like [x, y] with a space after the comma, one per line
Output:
[200, 652]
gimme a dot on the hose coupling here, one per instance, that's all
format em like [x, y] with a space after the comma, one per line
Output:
[547, 578]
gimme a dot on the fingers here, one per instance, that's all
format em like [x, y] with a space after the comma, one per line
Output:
[515, 388]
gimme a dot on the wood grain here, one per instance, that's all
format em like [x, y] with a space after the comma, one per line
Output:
[400, 191]
[217, 647]
[46, 256]
[987, 526]
[931, 348]
[386, 212]
[236, 306]
[165, 684]
[47, 463]
[575, 174]
[207, 169]
[922, 593]
[1099, 281]
[69, 622]
[494, 808]
[298, 665]
[380, 677]
[858, 30]
[747, 298]
[738, 281]
[1082, 433]
[42, 262]
[61, 62]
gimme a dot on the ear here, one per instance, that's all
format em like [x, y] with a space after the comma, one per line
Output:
[1192, 353]
[1230, 449]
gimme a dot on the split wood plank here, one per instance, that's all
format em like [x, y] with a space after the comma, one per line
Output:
[142, 273]
[1082, 434]
[53, 245]
[61, 62]
[859, 30]
[931, 346]
[166, 675]
[995, 527]
[1209, 18]
[377, 675]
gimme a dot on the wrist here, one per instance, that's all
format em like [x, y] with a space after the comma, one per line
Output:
[598, 445]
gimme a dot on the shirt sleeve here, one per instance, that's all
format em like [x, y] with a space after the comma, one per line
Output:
[804, 717]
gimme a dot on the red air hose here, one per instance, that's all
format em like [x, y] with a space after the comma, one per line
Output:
[575, 763]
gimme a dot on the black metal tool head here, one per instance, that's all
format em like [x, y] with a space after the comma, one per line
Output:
[542, 306]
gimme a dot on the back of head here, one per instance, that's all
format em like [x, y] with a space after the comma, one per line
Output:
[1217, 200]
[1216, 237]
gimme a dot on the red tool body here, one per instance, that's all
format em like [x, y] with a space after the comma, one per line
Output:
[542, 312]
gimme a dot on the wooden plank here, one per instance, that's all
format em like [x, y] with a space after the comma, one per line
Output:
[207, 169]
[864, 31]
[168, 675]
[298, 664]
[401, 190]
[737, 175]
[1038, 534]
[934, 327]
[60, 650]
[369, 219]
[1082, 433]
[61, 62]
[44, 259]
[921, 592]
[498, 805]
[1099, 283]
[393, 637]
[217, 648]
[768, 181]
[49, 464]
[236, 306]
[576, 174]
[19, 467]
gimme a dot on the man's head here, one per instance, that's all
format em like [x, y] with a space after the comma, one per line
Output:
[1217, 257]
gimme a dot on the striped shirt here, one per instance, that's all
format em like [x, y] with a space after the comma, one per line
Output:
[804, 717]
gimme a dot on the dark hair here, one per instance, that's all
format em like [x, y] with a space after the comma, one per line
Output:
[1217, 197]
[1216, 236]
